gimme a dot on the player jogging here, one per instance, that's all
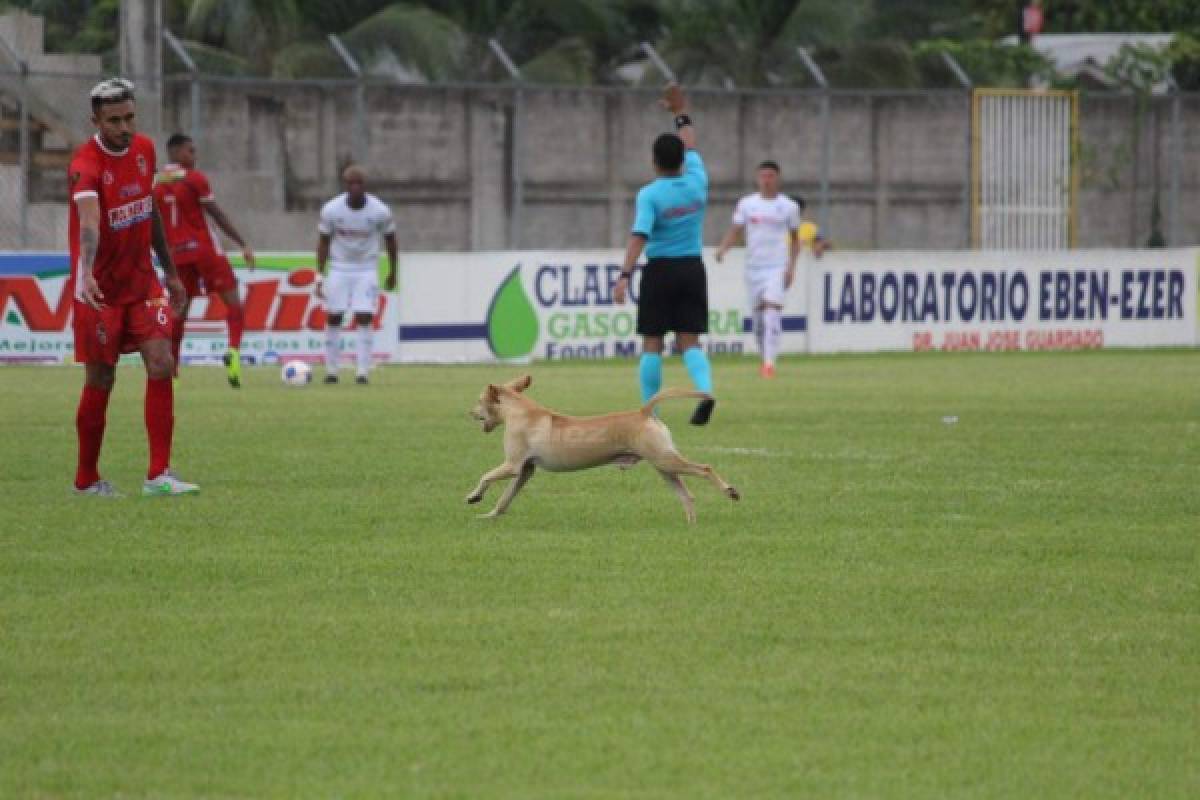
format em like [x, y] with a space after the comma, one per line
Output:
[771, 224]
[184, 197]
[119, 305]
[668, 225]
[350, 229]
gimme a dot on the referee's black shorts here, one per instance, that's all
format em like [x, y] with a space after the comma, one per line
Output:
[673, 296]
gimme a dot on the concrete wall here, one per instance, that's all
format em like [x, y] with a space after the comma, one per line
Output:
[444, 158]
[1112, 214]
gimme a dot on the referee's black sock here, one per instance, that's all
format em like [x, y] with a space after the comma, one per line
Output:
[703, 411]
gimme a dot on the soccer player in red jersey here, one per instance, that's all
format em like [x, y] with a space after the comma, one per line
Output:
[119, 305]
[184, 196]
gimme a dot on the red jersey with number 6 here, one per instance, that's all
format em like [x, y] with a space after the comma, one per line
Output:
[122, 183]
[181, 193]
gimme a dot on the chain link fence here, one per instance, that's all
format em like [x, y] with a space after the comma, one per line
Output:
[524, 166]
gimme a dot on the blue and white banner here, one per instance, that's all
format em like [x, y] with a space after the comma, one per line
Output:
[555, 305]
[463, 307]
[1063, 300]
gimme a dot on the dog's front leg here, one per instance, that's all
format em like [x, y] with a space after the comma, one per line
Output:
[527, 470]
[505, 470]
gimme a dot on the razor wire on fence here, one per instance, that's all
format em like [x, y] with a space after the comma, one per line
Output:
[483, 166]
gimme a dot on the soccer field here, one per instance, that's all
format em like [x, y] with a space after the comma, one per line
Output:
[1005, 606]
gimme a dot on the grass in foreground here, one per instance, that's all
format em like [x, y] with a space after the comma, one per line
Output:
[1005, 606]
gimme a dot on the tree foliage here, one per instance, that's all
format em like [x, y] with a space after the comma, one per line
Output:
[986, 62]
[753, 42]
[859, 43]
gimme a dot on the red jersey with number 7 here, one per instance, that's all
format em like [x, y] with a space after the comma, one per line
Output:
[122, 183]
[181, 193]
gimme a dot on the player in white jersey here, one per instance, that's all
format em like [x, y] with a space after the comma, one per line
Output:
[351, 227]
[770, 221]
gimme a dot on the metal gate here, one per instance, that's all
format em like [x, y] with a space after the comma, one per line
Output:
[1023, 172]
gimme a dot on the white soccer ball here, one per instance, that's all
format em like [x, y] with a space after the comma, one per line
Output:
[296, 373]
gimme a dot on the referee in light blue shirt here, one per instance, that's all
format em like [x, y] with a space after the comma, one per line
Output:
[668, 225]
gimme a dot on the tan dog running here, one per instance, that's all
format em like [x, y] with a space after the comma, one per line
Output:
[536, 437]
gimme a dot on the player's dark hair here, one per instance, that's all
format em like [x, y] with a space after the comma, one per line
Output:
[768, 164]
[668, 152]
[177, 139]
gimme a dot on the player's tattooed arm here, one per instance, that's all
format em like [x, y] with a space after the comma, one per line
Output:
[158, 240]
[89, 243]
[224, 223]
[322, 252]
[322, 259]
[389, 241]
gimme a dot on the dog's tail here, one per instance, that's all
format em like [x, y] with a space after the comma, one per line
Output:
[666, 394]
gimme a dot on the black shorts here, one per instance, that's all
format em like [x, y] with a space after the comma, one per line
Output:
[673, 296]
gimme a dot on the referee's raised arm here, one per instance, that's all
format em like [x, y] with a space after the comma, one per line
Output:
[675, 101]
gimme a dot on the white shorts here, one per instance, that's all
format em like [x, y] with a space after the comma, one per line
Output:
[355, 291]
[765, 286]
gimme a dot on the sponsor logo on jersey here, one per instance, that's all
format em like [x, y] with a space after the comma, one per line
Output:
[129, 214]
[767, 219]
[675, 212]
[352, 233]
[107, 177]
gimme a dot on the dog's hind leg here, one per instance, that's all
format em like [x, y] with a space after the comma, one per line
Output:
[685, 497]
[527, 470]
[673, 462]
[500, 473]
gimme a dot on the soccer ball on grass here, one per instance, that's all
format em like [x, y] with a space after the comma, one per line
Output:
[296, 373]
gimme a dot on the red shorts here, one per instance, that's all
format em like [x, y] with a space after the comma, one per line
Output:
[102, 336]
[212, 274]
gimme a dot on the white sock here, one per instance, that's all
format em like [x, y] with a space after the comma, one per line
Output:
[365, 338]
[331, 348]
[758, 328]
[772, 334]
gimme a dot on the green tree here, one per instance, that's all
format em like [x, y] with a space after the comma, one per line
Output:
[75, 26]
[929, 19]
[986, 62]
[1139, 16]
[870, 64]
[573, 41]
[999, 17]
[1184, 55]
[753, 42]
[253, 30]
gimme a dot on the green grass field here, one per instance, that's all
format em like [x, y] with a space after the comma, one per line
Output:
[1003, 607]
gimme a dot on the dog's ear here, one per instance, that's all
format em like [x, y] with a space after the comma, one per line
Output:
[522, 383]
[492, 393]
